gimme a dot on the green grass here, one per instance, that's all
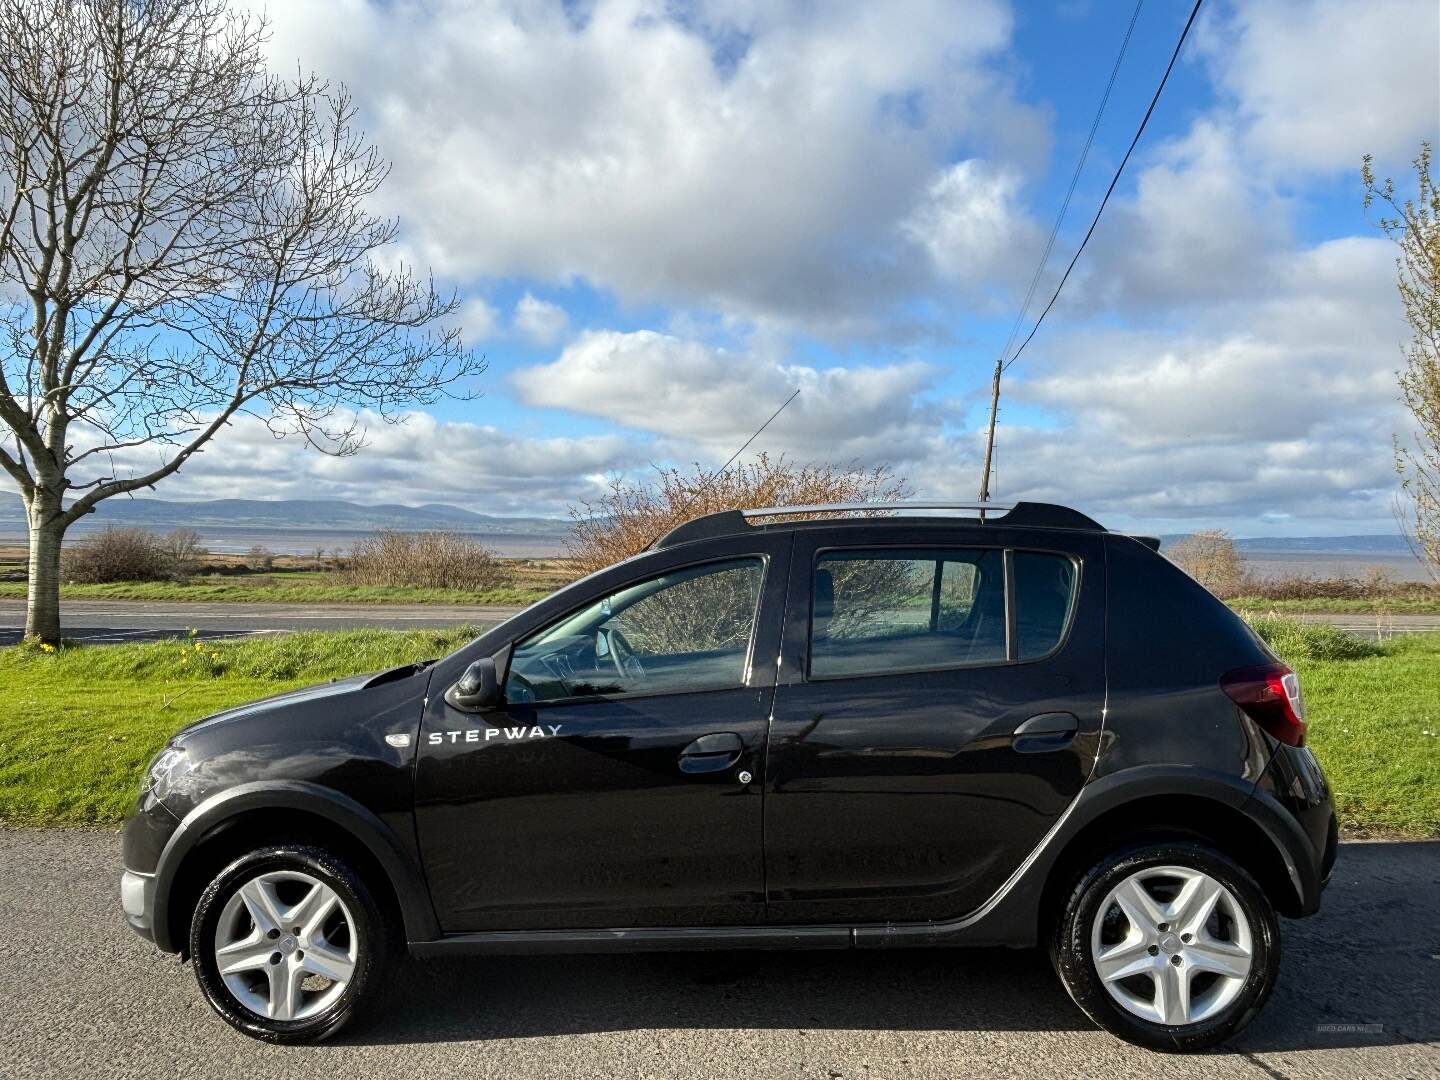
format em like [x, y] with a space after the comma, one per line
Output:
[285, 587]
[1391, 605]
[1373, 719]
[78, 725]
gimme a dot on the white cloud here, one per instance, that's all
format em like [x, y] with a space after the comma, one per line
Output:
[1199, 229]
[1269, 409]
[477, 319]
[755, 159]
[710, 399]
[971, 226]
[539, 320]
[1320, 83]
[424, 459]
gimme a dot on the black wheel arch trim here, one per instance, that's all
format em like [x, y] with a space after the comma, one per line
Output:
[405, 876]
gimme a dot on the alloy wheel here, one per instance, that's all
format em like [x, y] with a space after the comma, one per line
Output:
[1172, 945]
[286, 945]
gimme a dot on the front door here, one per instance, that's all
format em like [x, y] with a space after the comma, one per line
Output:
[610, 789]
[939, 705]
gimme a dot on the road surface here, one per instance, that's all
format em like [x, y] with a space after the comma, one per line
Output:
[80, 995]
[111, 621]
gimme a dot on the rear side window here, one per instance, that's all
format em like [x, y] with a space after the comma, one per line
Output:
[1044, 587]
[877, 612]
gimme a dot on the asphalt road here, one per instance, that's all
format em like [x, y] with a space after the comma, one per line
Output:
[112, 621]
[108, 622]
[80, 995]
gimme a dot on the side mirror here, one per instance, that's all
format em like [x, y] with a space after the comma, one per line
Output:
[477, 689]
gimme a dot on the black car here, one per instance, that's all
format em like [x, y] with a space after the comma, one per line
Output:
[839, 730]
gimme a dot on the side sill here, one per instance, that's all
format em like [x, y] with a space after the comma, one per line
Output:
[659, 939]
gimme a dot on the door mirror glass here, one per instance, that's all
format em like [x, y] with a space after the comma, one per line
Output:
[477, 689]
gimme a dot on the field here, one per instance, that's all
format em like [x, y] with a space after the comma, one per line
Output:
[78, 725]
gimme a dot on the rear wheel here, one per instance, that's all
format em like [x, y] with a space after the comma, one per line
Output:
[1171, 946]
[286, 941]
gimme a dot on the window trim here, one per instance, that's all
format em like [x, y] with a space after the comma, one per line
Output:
[1012, 643]
[762, 557]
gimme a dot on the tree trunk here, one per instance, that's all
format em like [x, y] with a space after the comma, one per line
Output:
[42, 610]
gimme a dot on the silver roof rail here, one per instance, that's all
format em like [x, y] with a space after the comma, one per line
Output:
[846, 508]
[732, 522]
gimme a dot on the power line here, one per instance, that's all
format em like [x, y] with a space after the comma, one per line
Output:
[1002, 364]
[1111, 189]
[1074, 181]
[704, 479]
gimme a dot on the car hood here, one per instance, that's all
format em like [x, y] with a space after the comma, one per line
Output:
[335, 688]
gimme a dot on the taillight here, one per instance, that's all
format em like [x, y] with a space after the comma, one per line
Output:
[1270, 695]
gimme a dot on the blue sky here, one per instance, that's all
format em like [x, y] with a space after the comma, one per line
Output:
[665, 217]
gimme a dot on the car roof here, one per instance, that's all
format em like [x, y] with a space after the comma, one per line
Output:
[1029, 515]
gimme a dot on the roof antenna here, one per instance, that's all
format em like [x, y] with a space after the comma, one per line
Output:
[729, 461]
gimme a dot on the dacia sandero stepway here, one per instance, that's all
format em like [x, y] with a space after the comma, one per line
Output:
[799, 728]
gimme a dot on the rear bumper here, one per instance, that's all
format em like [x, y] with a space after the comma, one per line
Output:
[1295, 781]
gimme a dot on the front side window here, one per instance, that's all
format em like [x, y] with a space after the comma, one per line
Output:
[688, 629]
[876, 612]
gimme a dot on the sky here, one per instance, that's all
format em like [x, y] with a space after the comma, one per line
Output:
[663, 218]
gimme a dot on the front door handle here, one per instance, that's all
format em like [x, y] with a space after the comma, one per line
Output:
[715, 752]
[1046, 731]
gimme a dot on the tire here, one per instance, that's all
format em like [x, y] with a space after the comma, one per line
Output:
[271, 989]
[1204, 988]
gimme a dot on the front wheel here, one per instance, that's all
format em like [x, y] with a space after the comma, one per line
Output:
[1171, 946]
[286, 941]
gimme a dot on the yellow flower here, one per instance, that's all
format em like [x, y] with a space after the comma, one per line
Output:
[47, 647]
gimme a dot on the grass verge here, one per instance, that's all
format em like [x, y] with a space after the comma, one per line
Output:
[291, 587]
[1378, 607]
[78, 725]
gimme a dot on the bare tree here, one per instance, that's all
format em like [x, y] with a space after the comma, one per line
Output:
[1415, 228]
[1211, 558]
[184, 237]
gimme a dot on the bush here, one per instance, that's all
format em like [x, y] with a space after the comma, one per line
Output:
[1211, 559]
[116, 554]
[432, 560]
[630, 517]
[184, 550]
[1294, 640]
[259, 557]
[1378, 584]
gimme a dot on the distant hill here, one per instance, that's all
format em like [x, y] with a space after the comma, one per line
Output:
[291, 515]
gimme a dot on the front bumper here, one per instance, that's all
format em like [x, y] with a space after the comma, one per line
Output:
[137, 898]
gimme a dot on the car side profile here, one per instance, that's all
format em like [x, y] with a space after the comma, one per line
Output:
[818, 727]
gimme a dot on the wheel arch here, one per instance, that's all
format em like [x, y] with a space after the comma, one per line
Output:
[1185, 816]
[230, 823]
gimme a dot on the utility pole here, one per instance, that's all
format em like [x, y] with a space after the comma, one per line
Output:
[990, 432]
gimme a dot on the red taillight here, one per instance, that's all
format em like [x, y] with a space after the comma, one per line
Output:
[1270, 695]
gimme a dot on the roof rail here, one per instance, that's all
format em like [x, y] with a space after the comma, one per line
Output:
[1025, 514]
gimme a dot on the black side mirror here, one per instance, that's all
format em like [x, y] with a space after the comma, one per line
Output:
[477, 689]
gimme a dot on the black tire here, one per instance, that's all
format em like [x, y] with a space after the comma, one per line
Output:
[1071, 953]
[371, 930]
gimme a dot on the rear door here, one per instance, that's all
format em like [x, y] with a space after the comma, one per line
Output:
[939, 705]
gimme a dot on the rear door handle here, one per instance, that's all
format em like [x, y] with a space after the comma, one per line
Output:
[1046, 731]
[715, 752]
